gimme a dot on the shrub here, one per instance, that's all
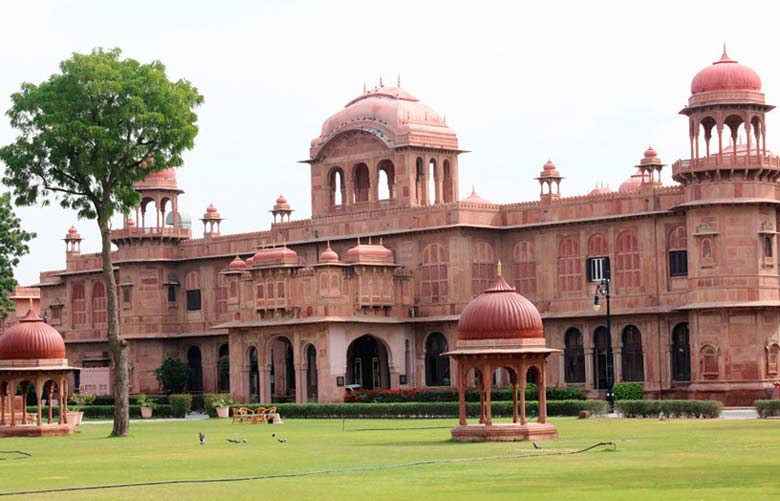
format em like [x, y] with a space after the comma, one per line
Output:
[427, 395]
[629, 391]
[107, 411]
[426, 409]
[671, 408]
[173, 375]
[80, 400]
[768, 408]
[181, 404]
[210, 398]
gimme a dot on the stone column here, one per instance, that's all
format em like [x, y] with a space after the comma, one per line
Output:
[461, 394]
[486, 384]
[12, 397]
[300, 383]
[38, 398]
[265, 384]
[542, 389]
[523, 374]
[438, 179]
[590, 378]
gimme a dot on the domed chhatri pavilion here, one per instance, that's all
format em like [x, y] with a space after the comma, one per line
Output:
[500, 329]
[33, 353]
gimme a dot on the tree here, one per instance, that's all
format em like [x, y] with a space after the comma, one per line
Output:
[85, 137]
[173, 375]
[13, 245]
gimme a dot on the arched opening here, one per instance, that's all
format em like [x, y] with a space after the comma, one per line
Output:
[223, 368]
[524, 269]
[631, 355]
[532, 376]
[569, 265]
[195, 383]
[362, 182]
[709, 361]
[386, 180]
[603, 367]
[419, 182]
[736, 133]
[483, 268]
[254, 375]
[367, 363]
[627, 261]
[337, 186]
[772, 359]
[758, 136]
[678, 251]
[447, 183]
[311, 373]
[681, 353]
[437, 367]
[50, 393]
[79, 302]
[434, 279]
[433, 177]
[574, 357]
[150, 215]
[707, 124]
[165, 205]
[99, 304]
[282, 370]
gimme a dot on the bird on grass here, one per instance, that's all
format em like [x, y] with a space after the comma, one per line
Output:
[202, 438]
[536, 446]
[233, 440]
[244, 441]
[281, 440]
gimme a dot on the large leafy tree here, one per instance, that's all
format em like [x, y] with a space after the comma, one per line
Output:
[85, 137]
[13, 245]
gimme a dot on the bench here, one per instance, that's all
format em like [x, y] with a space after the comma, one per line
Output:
[263, 415]
[243, 415]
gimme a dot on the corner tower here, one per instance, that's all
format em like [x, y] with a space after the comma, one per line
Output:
[384, 149]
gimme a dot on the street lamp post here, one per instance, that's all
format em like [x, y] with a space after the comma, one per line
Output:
[603, 289]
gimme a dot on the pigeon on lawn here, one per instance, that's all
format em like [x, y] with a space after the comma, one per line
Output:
[233, 440]
[202, 438]
[273, 434]
[282, 440]
[244, 441]
[536, 446]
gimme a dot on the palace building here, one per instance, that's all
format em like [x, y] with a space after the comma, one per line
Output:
[370, 289]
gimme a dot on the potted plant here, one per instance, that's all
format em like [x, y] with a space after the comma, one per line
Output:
[147, 404]
[76, 410]
[222, 406]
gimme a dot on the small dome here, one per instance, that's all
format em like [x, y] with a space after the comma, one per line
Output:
[130, 223]
[362, 253]
[725, 74]
[548, 165]
[164, 179]
[549, 170]
[634, 183]
[211, 209]
[250, 260]
[474, 198]
[211, 213]
[275, 256]
[600, 190]
[500, 313]
[184, 220]
[281, 203]
[73, 234]
[237, 264]
[650, 152]
[329, 255]
[31, 339]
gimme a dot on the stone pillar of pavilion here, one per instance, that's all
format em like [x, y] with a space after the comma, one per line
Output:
[32, 354]
[501, 329]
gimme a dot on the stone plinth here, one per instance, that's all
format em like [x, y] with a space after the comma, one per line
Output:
[29, 430]
[508, 432]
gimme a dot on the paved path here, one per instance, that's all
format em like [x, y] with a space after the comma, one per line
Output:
[739, 413]
[193, 416]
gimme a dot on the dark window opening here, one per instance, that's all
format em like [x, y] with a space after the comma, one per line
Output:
[597, 268]
[678, 263]
[171, 294]
[193, 300]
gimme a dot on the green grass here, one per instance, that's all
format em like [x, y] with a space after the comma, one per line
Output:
[673, 459]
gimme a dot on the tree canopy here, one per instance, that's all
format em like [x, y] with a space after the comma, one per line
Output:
[13, 245]
[85, 137]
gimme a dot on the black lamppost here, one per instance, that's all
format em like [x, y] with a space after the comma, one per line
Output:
[603, 289]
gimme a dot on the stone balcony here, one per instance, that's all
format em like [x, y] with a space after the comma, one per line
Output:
[124, 235]
[763, 165]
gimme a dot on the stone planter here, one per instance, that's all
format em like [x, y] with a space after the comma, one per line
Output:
[146, 412]
[223, 411]
[74, 417]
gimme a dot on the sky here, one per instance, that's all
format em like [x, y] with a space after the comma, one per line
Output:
[589, 85]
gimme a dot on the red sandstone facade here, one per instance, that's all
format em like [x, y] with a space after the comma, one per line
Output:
[369, 290]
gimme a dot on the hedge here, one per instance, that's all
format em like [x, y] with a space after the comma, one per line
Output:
[428, 395]
[628, 391]
[768, 408]
[181, 404]
[106, 411]
[707, 409]
[406, 410]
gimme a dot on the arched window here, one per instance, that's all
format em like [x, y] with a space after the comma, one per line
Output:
[221, 296]
[631, 357]
[678, 251]
[681, 353]
[597, 245]
[311, 373]
[337, 186]
[437, 367]
[627, 268]
[483, 268]
[192, 286]
[79, 305]
[773, 360]
[569, 265]
[386, 180]
[362, 182]
[709, 360]
[99, 305]
[524, 268]
[433, 176]
[574, 357]
[434, 274]
[603, 366]
[419, 183]
[223, 368]
[447, 184]
[598, 258]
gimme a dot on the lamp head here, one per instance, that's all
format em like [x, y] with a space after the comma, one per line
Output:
[596, 305]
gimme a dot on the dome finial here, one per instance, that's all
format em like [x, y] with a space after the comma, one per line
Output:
[398, 81]
[498, 268]
[381, 83]
[364, 88]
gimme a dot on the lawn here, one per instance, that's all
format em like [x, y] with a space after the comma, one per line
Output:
[673, 459]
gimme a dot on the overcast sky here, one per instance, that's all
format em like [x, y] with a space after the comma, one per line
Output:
[588, 84]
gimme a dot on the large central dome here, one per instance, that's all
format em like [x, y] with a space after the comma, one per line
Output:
[394, 116]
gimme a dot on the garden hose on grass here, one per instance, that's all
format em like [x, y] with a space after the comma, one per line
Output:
[19, 455]
[307, 473]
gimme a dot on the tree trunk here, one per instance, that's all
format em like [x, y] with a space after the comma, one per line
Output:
[118, 345]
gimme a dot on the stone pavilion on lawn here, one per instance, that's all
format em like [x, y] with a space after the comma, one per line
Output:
[502, 329]
[33, 353]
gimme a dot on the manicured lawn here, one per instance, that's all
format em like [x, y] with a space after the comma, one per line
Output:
[674, 459]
